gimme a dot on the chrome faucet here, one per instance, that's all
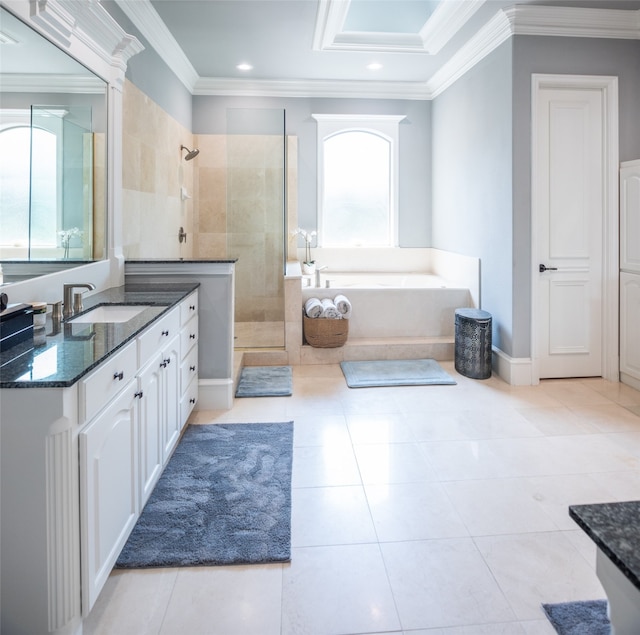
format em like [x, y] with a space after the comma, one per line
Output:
[69, 308]
[318, 270]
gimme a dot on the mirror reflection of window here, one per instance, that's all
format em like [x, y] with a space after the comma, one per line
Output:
[16, 196]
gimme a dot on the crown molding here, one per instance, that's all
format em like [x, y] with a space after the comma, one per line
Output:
[517, 20]
[534, 20]
[311, 88]
[48, 83]
[150, 24]
[83, 29]
[447, 19]
[441, 26]
[488, 38]
[574, 22]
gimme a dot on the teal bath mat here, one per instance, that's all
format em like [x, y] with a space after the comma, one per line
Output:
[395, 372]
[224, 498]
[579, 618]
[265, 381]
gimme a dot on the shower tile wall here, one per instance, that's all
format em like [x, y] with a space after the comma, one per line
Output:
[153, 172]
[210, 174]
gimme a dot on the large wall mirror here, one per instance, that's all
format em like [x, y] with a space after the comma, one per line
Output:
[53, 181]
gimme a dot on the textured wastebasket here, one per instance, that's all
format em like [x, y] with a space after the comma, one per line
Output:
[473, 343]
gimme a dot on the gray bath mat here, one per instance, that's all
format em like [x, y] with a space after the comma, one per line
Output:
[224, 498]
[265, 381]
[579, 618]
[395, 372]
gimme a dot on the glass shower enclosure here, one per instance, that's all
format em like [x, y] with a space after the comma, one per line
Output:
[256, 227]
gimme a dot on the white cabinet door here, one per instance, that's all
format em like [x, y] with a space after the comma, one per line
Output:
[630, 216]
[108, 490]
[171, 401]
[151, 415]
[630, 325]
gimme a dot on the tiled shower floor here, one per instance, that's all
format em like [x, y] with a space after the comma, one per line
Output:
[438, 510]
[259, 334]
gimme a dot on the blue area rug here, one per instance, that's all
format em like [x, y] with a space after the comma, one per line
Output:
[579, 618]
[395, 372]
[265, 381]
[224, 498]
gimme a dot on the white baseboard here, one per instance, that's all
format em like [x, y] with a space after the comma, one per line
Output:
[630, 381]
[516, 371]
[215, 394]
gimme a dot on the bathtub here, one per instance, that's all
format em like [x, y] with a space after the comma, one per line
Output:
[393, 305]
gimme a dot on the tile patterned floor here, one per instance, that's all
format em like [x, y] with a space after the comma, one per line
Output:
[437, 510]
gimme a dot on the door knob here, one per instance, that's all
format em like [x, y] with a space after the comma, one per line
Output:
[543, 268]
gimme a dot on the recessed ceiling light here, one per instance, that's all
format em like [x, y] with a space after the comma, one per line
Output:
[374, 66]
[244, 67]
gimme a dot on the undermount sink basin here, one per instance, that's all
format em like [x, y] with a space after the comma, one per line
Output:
[110, 313]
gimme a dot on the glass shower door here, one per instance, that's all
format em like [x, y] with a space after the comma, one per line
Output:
[256, 200]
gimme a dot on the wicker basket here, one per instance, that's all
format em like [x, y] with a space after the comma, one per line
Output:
[325, 332]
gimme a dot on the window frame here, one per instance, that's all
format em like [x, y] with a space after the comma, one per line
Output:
[385, 126]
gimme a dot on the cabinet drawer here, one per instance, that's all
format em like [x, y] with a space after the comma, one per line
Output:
[101, 386]
[188, 369]
[157, 336]
[188, 308]
[188, 336]
[188, 401]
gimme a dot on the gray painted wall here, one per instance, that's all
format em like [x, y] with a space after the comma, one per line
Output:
[577, 56]
[472, 143]
[152, 76]
[472, 170]
[210, 117]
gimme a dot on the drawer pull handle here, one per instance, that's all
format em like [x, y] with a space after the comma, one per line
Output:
[138, 394]
[165, 333]
[192, 336]
[192, 367]
[192, 307]
[167, 361]
[163, 364]
[119, 376]
[192, 400]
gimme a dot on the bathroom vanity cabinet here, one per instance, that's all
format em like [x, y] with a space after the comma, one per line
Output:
[216, 295]
[79, 461]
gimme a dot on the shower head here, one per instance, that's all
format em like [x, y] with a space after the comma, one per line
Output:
[191, 154]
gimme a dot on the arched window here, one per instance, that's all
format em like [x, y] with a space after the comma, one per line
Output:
[357, 180]
[28, 191]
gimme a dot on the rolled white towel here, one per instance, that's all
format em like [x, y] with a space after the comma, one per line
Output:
[343, 305]
[329, 309]
[313, 308]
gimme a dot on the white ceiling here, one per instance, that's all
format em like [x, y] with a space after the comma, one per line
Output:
[324, 46]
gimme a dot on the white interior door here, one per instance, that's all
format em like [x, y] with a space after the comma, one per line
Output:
[568, 219]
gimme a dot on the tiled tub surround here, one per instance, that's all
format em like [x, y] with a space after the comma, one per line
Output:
[71, 350]
[88, 420]
[615, 529]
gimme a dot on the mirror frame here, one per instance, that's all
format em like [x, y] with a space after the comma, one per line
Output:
[90, 35]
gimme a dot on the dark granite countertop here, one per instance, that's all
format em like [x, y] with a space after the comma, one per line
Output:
[68, 351]
[615, 528]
